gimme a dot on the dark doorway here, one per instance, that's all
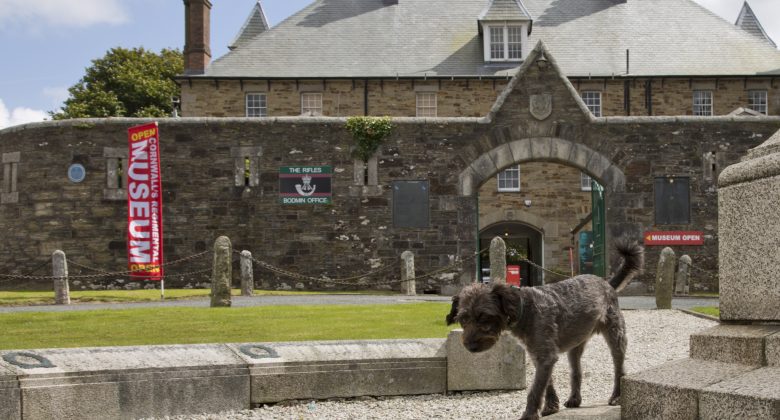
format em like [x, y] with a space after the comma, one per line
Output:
[523, 242]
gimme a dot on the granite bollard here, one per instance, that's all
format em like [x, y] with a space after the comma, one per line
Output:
[497, 260]
[502, 367]
[60, 273]
[682, 278]
[408, 286]
[664, 279]
[222, 273]
[247, 276]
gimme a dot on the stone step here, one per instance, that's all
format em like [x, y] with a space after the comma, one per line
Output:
[672, 390]
[699, 389]
[752, 395]
[744, 344]
[600, 412]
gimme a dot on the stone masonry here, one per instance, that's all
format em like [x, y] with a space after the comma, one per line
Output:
[464, 97]
[355, 234]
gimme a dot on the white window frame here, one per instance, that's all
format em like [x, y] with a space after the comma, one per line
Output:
[506, 176]
[592, 99]
[256, 104]
[426, 108]
[700, 105]
[762, 105]
[487, 34]
[585, 182]
[311, 103]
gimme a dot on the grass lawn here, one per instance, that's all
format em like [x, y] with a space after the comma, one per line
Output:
[113, 296]
[707, 310]
[149, 326]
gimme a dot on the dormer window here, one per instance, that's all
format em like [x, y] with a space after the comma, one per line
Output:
[505, 26]
[506, 42]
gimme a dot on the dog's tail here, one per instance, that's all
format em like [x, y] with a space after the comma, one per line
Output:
[633, 260]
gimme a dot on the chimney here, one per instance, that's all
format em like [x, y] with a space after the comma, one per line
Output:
[197, 34]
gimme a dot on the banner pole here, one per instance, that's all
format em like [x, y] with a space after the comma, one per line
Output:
[162, 288]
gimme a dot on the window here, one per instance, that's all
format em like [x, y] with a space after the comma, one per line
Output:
[672, 201]
[506, 43]
[509, 180]
[256, 105]
[246, 165]
[10, 194]
[585, 182]
[702, 102]
[592, 100]
[426, 104]
[757, 101]
[311, 104]
[116, 164]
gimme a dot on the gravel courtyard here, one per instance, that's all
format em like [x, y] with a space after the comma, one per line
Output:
[655, 336]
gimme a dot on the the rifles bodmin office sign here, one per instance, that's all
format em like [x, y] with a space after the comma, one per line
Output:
[305, 185]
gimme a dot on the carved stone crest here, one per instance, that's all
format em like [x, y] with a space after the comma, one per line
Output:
[541, 106]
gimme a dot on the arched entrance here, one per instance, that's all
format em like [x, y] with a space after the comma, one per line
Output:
[550, 212]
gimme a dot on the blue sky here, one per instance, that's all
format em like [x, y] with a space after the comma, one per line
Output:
[47, 44]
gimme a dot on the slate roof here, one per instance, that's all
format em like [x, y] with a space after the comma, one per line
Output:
[505, 10]
[748, 21]
[255, 24]
[405, 38]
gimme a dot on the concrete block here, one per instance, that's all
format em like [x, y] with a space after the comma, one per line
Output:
[129, 382]
[748, 232]
[319, 370]
[10, 397]
[773, 350]
[601, 412]
[501, 367]
[671, 391]
[744, 344]
[753, 395]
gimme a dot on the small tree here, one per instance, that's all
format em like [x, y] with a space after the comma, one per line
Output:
[125, 83]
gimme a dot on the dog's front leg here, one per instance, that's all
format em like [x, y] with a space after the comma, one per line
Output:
[551, 402]
[544, 368]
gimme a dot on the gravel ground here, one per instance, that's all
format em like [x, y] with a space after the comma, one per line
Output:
[654, 337]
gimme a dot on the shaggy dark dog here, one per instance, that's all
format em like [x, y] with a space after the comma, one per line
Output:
[549, 320]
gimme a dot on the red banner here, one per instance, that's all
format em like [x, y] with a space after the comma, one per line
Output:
[674, 238]
[144, 203]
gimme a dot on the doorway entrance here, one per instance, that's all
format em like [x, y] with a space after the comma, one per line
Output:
[523, 243]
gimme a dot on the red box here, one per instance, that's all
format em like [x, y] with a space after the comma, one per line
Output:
[513, 275]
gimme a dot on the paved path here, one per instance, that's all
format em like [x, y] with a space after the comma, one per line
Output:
[626, 302]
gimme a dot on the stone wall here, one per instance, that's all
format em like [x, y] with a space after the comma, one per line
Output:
[461, 98]
[355, 234]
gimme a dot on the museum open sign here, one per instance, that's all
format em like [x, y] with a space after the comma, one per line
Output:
[674, 238]
[305, 185]
[144, 203]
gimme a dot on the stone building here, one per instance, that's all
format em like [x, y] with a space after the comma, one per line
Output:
[480, 147]
[437, 58]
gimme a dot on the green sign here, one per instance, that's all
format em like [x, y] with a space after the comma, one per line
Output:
[305, 185]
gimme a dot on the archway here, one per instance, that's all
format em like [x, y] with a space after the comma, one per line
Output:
[556, 201]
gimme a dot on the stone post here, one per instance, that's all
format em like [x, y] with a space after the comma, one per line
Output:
[497, 260]
[682, 279]
[247, 277]
[408, 286]
[222, 273]
[60, 271]
[664, 279]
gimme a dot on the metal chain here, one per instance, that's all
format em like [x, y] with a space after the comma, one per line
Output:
[544, 269]
[103, 273]
[700, 270]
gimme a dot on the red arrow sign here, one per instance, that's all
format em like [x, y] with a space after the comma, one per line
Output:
[674, 238]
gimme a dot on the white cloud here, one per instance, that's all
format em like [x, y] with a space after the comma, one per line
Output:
[73, 13]
[19, 116]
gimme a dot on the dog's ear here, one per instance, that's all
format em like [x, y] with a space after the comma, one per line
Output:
[453, 311]
[502, 295]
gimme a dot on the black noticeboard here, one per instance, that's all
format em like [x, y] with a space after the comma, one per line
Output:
[672, 201]
[410, 204]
